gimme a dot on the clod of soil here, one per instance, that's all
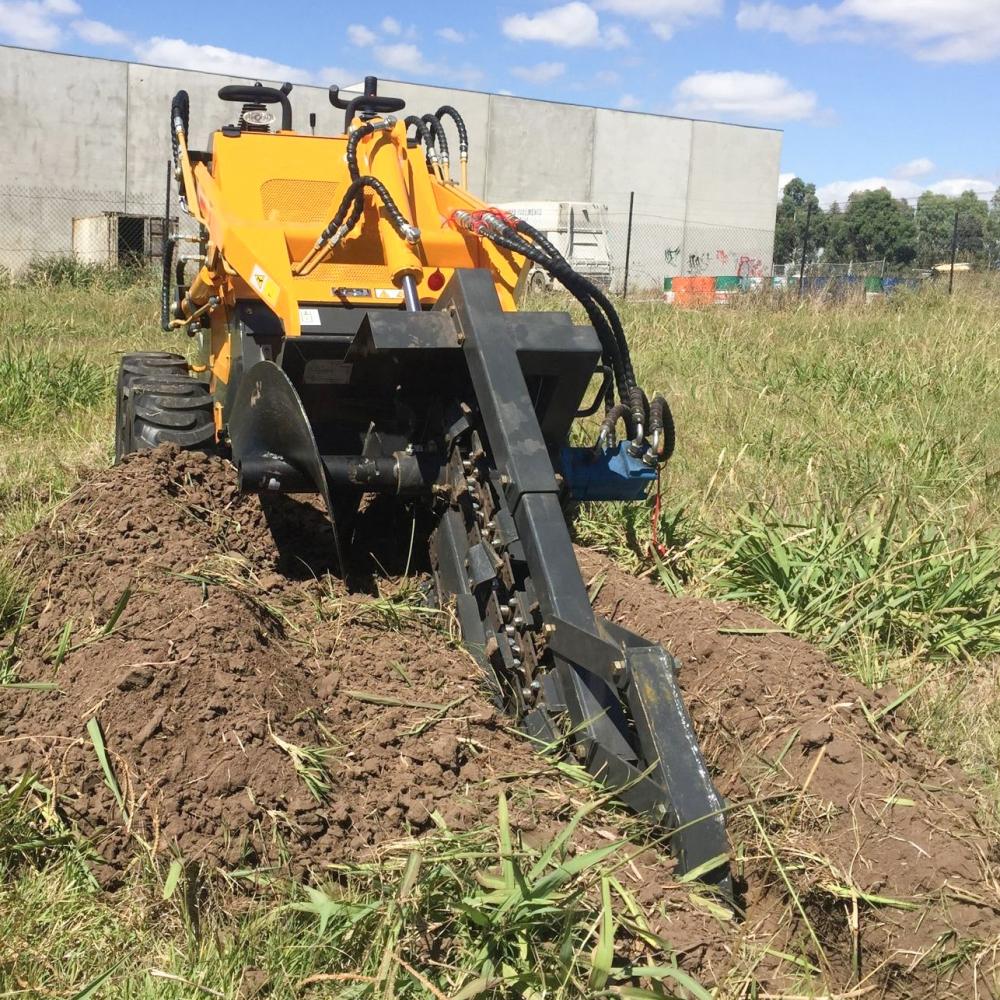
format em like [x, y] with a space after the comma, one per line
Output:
[217, 660]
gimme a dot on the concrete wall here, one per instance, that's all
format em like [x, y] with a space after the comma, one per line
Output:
[86, 136]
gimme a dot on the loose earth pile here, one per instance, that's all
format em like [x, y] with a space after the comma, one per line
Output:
[257, 710]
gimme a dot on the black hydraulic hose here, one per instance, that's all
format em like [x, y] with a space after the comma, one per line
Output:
[180, 111]
[353, 195]
[611, 354]
[525, 228]
[463, 132]
[415, 121]
[564, 272]
[607, 430]
[352, 149]
[435, 127]
[661, 428]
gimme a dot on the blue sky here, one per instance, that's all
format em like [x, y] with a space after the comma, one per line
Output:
[868, 92]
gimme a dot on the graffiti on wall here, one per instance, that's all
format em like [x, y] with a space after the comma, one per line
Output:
[722, 260]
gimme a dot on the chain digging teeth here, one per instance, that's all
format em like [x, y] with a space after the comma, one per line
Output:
[507, 615]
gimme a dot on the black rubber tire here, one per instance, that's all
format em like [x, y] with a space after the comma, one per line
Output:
[538, 282]
[170, 410]
[159, 402]
[132, 367]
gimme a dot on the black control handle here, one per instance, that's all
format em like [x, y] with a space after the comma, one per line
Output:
[369, 101]
[258, 94]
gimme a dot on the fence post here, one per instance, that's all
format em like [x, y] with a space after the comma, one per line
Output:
[805, 248]
[954, 250]
[628, 243]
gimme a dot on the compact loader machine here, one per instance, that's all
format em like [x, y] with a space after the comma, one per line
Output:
[359, 333]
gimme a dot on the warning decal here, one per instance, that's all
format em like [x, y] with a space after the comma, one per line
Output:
[265, 286]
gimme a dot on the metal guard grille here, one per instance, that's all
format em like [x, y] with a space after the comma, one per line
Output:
[289, 200]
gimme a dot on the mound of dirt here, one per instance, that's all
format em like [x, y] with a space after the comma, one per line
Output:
[257, 711]
[878, 837]
[221, 676]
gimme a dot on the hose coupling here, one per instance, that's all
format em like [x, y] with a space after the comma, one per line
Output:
[410, 233]
[637, 446]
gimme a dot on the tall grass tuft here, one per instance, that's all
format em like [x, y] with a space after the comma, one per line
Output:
[844, 579]
[35, 386]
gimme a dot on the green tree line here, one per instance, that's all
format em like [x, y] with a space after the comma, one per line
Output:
[874, 225]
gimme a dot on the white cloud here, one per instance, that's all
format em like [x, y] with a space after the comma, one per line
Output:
[914, 168]
[629, 102]
[35, 23]
[902, 187]
[802, 24]
[404, 57]
[215, 59]
[665, 17]
[572, 25]
[542, 72]
[451, 35]
[933, 30]
[607, 76]
[783, 179]
[359, 35]
[735, 94]
[391, 26]
[954, 186]
[99, 33]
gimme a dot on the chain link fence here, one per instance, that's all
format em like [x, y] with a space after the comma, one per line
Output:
[635, 251]
[105, 228]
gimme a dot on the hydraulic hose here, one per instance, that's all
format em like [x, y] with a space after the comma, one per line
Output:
[526, 229]
[425, 136]
[436, 129]
[180, 110]
[463, 138]
[503, 235]
[415, 121]
[606, 434]
[336, 229]
[662, 432]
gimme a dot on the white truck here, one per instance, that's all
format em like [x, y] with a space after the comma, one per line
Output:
[577, 229]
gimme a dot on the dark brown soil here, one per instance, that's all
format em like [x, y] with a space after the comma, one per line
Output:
[850, 805]
[231, 644]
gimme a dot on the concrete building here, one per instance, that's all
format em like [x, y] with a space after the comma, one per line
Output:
[86, 136]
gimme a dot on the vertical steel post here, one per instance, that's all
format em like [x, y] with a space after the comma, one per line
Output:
[628, 243]
[954, 250]
[805, 248]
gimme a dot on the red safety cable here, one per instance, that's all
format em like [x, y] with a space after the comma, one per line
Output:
[655, 542]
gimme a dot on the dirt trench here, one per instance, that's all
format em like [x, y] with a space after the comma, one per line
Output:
[232, 651]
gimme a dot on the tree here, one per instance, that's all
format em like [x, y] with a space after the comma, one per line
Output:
[934, 219]
[878, 226]
[993, 230]
[790, 222]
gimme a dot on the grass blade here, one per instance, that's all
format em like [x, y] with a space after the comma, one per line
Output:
[97, 738]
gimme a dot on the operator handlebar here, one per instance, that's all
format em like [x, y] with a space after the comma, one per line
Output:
[257, 94]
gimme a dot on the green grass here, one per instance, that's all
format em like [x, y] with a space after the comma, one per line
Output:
[837, 468]
[60, 341]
